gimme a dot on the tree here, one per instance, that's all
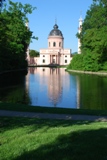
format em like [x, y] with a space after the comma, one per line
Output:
[34, 53]
[14, 35]
[76, 63]
[94, 36]
[94, 30]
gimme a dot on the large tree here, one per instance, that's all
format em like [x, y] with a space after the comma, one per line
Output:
[14, 35]
[94, 30]
[94, 37]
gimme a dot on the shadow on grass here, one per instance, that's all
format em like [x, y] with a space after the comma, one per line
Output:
[81, 145]
[8, 123]
[76, 145]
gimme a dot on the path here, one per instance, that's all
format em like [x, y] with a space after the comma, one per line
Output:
[52, 116]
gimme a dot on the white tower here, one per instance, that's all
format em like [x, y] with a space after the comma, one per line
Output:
[79, 31]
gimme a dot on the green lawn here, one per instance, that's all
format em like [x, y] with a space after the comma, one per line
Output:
[38, 139]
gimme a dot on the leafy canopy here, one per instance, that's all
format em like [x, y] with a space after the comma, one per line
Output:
[94, 37]
[15, 36]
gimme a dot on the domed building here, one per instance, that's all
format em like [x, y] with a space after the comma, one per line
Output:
[55, 54]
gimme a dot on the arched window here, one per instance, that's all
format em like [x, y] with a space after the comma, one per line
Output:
[49, 44]
[65, 61]
[43, 61]
[54, 44]
[59, 44]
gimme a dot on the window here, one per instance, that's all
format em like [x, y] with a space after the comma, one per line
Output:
[65, 61]
[65, 56]
[49, 44]
[59, 44]
[54, 44]
[43, 55]
[43, 60]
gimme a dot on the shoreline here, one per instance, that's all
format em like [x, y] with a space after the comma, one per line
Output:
[102, 73]
[11, 71]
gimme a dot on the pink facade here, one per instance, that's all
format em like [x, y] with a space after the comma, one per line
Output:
[55, 53]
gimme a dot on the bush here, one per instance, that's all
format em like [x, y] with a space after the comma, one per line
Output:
[104, 66]
[34, 53]
[77, 62]
[86, 61]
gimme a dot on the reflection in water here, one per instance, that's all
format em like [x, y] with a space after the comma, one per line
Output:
[12, 88]
[51, 87]
[54, 87]
[78, 91]
[93, 92]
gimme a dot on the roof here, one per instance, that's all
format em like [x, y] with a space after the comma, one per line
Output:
[55, 31]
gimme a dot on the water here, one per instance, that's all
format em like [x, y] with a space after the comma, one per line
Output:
[54, 87]
[51, 87]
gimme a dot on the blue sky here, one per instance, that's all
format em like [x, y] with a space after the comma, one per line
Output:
[67, 13]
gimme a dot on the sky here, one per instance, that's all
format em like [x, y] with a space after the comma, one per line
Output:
[66, 13]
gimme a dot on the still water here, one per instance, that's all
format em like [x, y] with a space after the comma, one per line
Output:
[54, 87]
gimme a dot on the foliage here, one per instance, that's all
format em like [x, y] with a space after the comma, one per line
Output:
[94, 37]
[73, 54]
[86, 62]
[14, 35]
[104, 67]
[34, 53]
[76, 63]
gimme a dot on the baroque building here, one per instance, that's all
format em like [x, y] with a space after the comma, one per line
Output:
[55, 54]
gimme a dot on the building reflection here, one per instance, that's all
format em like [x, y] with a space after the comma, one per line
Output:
[53, 79]
[53, 87]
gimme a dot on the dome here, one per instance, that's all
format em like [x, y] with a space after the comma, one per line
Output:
[55, 31]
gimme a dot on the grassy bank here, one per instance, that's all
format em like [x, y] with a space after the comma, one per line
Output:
[100, 73]
[27, 108]
[27, 138]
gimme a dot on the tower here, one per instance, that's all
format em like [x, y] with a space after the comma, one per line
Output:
[79, 31]
[55, 44]
[55, 38]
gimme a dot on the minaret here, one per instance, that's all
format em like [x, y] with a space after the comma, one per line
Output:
[79, 31]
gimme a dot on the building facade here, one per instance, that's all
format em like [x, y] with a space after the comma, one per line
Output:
[55, 54]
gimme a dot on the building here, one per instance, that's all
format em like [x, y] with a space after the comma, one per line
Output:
[55, 54]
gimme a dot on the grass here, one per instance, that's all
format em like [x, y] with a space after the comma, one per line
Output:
[39, 139]
[27, 108]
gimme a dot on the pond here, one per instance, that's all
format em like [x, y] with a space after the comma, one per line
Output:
[54, 87]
